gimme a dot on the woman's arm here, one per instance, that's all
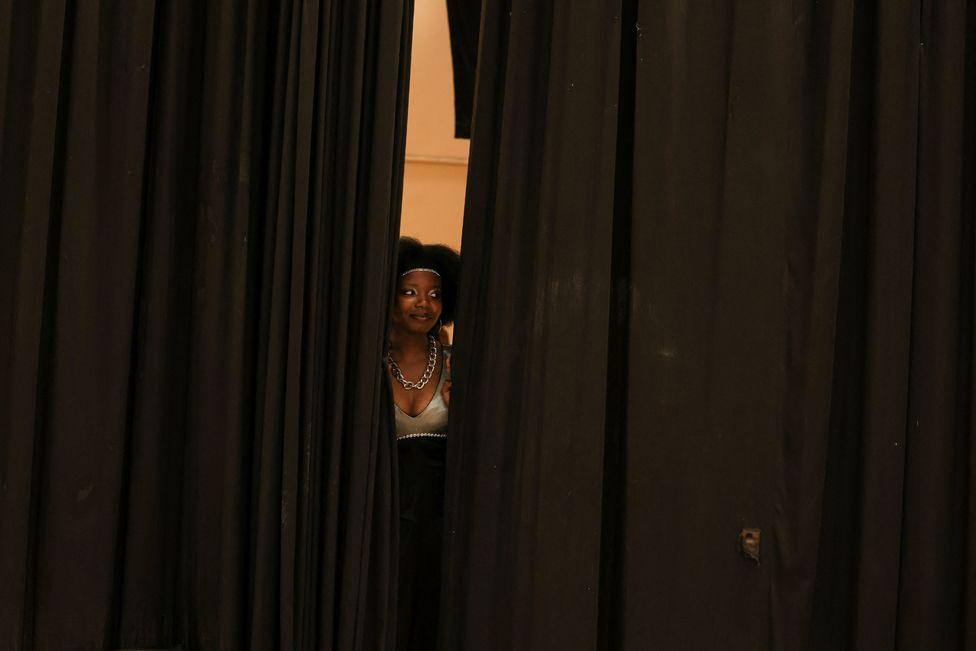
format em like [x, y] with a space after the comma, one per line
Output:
[446, 387]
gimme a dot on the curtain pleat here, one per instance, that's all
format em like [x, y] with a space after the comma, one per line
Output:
[727, 250]
[524, 459]
[464, 22]
[200, 203]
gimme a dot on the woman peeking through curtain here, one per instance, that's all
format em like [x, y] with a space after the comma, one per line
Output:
[418, 365]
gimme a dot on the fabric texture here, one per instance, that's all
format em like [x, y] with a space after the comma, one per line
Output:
[199, 207]
[464, 24]
[718, 274]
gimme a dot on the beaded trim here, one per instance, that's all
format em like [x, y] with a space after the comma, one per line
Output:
[432, 435]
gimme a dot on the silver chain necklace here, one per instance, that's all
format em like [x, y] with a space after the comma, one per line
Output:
[428, 372]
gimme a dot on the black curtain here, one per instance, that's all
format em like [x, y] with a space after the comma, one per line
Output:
[718, 275]
[464, 22]
[199, 203]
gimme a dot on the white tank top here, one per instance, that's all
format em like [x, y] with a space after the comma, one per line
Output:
[432, 421]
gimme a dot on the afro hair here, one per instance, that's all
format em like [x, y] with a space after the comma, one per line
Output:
[411, 254]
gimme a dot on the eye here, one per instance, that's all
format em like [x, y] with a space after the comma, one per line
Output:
[408, 292]
[435, 294]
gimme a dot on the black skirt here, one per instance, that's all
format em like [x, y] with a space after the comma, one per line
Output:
[421, 470]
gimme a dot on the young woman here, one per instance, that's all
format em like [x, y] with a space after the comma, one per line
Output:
[418, 366]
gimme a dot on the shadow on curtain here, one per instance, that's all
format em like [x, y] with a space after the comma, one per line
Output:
[718, 274]
[200, 202]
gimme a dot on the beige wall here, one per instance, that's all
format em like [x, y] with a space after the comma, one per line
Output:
[437, 163]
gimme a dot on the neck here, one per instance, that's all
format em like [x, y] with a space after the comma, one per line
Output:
[404, 343]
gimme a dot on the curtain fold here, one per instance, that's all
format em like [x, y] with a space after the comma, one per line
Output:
[515, 469]
[200, 203]
[464, 21]
[718, 275]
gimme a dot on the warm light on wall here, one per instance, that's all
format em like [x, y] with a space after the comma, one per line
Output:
[437, 163]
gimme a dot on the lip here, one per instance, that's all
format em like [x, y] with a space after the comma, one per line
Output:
[420, 317]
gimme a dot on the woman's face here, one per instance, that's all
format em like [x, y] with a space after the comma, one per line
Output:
[418, 303]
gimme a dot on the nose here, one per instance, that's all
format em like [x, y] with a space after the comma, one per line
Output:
[421, 300]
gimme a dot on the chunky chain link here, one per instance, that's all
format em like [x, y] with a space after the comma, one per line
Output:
[428, 372]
